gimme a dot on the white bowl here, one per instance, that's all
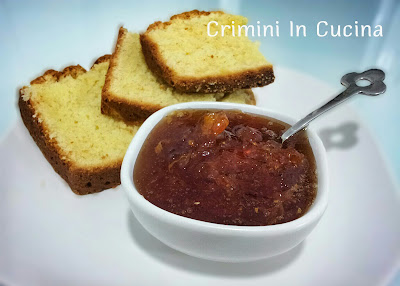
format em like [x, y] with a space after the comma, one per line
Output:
[213, 241]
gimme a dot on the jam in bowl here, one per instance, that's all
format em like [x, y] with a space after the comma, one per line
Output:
[214, 181]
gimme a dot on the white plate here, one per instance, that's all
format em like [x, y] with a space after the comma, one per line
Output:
[50, 236]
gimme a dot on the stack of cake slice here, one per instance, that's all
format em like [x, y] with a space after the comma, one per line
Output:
[83, 121]
[132, 92]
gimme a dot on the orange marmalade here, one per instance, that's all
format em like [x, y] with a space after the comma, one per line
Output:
[227, 167]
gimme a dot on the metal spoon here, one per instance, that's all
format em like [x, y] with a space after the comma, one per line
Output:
[374, 76]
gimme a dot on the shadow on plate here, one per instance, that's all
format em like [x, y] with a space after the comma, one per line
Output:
[342, 137]
[176, 259]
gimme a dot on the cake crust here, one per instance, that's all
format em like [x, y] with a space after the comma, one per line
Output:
[82, 181]
[211, 84]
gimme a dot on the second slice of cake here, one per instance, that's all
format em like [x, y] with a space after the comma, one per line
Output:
[132, 92]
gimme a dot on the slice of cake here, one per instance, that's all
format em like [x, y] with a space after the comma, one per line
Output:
[133, 92]
[186, 57]
[62, 113]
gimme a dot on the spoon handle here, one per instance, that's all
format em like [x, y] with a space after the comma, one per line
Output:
[376, 87]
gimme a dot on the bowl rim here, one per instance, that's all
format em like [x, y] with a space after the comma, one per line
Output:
[311, 216]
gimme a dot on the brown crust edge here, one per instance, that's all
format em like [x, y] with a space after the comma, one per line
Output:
[114, 106]
[247, 79]
[184, 16]
[81, 181]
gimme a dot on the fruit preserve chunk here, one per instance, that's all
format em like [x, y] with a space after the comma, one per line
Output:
[227, 167]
